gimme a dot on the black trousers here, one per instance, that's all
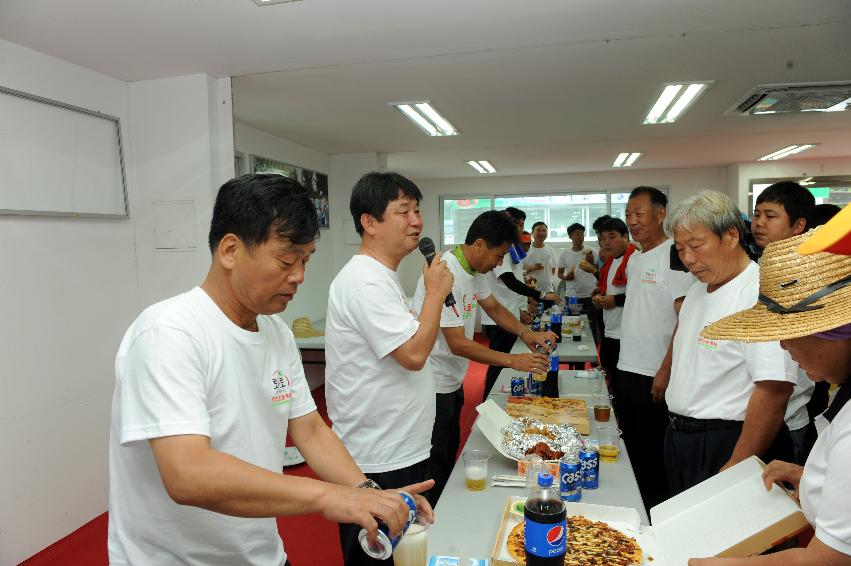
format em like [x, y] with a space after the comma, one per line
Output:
[353, 554]
[445, 439]
[595, 318]
[692, 457]
[610, 350]
[500, 341]
[644, 423]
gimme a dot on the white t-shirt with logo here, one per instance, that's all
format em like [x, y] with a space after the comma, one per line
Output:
[381, 411]
[797, 416]
[612, 317]
[825, 488]
[584, 283]
[449, 370]
[714, 379]
[547, 256]
[506, 297]
[649, 315]
[184, 368]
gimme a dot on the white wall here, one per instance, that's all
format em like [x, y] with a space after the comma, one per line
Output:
[72, 287]
[312, 297]
[681, 182]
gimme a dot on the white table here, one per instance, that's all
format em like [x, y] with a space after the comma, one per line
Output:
[466, 522]
[580, 351]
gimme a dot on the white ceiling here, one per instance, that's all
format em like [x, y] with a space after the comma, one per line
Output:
[540, 86]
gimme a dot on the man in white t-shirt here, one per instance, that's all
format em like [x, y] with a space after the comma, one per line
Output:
[484, 248]
[378, 386]
[781, 212]
[541, 259]
[208, 385]
[654, 293]
[610, 295]
[507, 286]
[726, 399]
[577, 267]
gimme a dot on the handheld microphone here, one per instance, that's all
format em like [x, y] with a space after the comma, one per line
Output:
[426, 246]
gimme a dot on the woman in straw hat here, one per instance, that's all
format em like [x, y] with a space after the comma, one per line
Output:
[805, 302]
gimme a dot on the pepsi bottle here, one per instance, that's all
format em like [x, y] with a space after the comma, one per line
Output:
[555, 322]
[550, 385]
[545, 525]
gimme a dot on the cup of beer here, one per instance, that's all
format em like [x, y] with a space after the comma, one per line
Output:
[602, 407]
[476, 469]
[610, 443]
[412, 549]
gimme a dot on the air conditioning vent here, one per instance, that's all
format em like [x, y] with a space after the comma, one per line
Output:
[802, 97]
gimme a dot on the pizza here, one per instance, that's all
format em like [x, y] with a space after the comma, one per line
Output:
[551, 410]
[588, 543]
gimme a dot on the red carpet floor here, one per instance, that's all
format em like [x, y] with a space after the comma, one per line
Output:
[309, 540]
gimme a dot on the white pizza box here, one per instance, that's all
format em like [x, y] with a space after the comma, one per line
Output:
[729, 515]
[492, 419]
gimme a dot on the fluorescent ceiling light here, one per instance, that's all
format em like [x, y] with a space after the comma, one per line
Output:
[424, 115]
[674, 101]
[787, 151]
[270, 2]
[626, 159]
[482, 166]
[807, 181]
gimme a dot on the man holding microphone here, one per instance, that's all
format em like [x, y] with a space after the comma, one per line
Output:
[379, 388]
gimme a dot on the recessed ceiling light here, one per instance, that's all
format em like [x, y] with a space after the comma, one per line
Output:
[270, 2]
[626, 159]
[675, 99]
[787, 151]
[426, 117]
[482, 166]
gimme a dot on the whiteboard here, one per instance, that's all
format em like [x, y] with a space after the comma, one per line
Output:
[59, 160]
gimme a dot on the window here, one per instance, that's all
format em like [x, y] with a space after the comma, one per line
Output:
[558, 211]
[458, 214]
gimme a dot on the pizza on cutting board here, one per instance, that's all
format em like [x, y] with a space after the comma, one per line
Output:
[588, 543]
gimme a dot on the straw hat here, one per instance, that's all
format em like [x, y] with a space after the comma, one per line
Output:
[799, 295]
[834, 236]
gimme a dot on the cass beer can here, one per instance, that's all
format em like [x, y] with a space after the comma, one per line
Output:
[384, 545]
[589, 458]
[570, 471]
[518, 386]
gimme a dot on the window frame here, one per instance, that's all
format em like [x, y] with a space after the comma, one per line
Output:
[590, 236]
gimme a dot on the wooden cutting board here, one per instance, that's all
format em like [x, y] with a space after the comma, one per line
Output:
[552, 411]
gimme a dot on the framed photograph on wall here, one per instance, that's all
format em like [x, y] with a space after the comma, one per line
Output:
[315, 183]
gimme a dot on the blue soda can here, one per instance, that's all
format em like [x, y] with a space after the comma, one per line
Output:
[570, 470]
[384, 545]
[518, 386]
[589, 458]
[533, 386]
[536, 325]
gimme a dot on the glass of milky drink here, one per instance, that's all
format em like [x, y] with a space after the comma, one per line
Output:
[476, 469]
[412, 549]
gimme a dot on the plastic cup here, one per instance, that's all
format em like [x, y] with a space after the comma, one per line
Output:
[610, 443]
[412, 549]
[476, 469]
[602, 407]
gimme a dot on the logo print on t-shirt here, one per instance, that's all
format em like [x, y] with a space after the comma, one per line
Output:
[281, 393]
[649, 277]
[708, 344]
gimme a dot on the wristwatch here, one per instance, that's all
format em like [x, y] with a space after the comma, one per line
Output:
[368, 484]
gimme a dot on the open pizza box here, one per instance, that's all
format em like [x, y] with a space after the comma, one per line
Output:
[729, 515]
